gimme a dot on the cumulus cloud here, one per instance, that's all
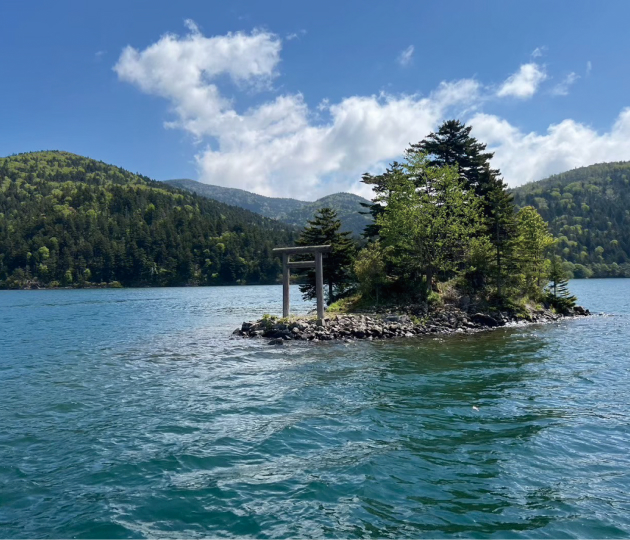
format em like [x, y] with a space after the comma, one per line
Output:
[562, 88]
[524, 83]
[280, 146]
[405, 57]
[183, 70]
[523, 157]
[308, 160]
[276, 148]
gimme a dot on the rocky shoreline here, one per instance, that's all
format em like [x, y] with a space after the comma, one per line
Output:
[388, 325]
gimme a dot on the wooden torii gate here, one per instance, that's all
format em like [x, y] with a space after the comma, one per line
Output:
[319, 273]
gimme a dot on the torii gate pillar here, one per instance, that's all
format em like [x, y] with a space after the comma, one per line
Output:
[319, 273]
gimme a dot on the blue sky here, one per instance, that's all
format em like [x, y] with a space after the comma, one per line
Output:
[298, 99]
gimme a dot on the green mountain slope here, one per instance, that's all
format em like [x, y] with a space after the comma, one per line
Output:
[70, 220]
[588, 209]
[291, 211]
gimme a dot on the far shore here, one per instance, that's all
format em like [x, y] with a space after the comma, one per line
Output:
[37, 287]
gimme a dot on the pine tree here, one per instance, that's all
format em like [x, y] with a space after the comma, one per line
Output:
[501, 228]
[557, 292]
[325, 229]
[453, 145]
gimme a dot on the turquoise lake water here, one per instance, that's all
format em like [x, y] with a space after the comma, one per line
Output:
[134, 413]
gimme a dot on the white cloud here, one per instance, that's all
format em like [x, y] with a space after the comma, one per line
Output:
[282, 147]
[405, 57]
[295, 35]
[589, 67]
[523, 157]
[182, 70]
[306, 160]
[562, 88]
[524, 83]
[539, 51]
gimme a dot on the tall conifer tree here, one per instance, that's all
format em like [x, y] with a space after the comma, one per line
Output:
[451, 145]
[324, 229]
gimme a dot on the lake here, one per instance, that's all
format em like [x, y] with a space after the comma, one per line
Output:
[134, 413]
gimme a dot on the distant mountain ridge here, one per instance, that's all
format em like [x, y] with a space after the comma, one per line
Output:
[588, 210]
[290, 211]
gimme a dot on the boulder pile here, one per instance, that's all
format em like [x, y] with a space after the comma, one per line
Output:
[447, 320]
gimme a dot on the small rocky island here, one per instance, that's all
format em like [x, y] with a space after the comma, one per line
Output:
[408, 321]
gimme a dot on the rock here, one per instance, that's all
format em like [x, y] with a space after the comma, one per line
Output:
[382, 324]
[579, 310]
[484, 320]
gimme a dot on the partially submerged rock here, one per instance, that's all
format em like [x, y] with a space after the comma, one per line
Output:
[446, 320]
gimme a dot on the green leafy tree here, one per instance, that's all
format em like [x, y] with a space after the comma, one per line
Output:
[428, 221]
[453, 146]
[531, 248]
[370, 270]
[325, 229]
[380, 185]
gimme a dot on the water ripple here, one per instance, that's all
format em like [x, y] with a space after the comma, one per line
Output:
[132, 413]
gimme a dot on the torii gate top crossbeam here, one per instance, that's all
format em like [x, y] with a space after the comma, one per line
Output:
[303, 249]
[319, 273]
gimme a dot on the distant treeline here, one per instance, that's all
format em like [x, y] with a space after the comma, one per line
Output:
[66, 220]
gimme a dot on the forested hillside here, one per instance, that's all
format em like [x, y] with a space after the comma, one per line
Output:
[291, 211]
[588, 210]
[69, 220]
